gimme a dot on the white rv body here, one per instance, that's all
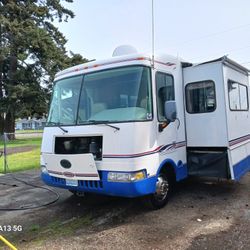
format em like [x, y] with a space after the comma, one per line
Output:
[224, 127]
[133, 153]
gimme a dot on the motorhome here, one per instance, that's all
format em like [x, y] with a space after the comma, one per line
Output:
[134, 125]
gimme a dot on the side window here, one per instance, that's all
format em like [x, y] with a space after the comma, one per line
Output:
[243, 97]
[165, 92]
[200, 97]
[238, 98]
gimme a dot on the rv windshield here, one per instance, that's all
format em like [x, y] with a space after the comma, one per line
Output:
[114, 95]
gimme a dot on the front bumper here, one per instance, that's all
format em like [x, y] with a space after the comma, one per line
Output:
[123, 189]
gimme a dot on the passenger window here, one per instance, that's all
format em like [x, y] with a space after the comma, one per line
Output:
[200, 97]
[165, 92]
[238, 98]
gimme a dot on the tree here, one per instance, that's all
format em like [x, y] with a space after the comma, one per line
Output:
[32, 50]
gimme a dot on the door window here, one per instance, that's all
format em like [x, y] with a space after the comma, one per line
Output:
[238, 98]
[165, 92]
[200, 97]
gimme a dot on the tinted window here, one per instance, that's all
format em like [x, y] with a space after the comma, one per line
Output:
[200, 97]
[116, 95]
[238, 98]
[63, 108]
[165, 92]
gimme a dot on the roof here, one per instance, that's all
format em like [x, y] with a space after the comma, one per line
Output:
[230, 63]
[164, 59]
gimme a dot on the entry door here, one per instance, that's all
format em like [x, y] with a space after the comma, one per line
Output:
[205, 105]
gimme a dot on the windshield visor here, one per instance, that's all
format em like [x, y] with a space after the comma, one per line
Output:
[114, 95]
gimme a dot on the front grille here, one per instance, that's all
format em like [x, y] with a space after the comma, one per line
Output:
[88, 185]
[91, 184]
[58, 180]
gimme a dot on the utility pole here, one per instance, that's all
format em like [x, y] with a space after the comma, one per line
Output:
[1, 62]
[1, 68]
[1, 56]
[153, 33]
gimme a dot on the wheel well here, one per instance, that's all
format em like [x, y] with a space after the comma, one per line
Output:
[169, 170]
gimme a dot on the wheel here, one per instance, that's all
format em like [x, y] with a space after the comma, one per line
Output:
[164, 187]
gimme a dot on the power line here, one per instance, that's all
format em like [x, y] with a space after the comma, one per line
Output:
[244, 62]
[215, 34]
[222, 53]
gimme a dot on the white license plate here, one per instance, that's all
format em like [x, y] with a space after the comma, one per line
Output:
[73, 183]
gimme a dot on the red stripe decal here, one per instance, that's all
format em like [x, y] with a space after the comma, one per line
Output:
[69, 174]
[135, 155]
[168, 64]
[239, 140]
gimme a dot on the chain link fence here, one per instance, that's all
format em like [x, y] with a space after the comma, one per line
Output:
[20, 151]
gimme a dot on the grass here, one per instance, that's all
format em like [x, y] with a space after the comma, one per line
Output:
[70, 226]
[59, 228]
[35, 141]
[37, 235]
[22, 161]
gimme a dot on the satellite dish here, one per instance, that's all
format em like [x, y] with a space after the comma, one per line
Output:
[124, 50]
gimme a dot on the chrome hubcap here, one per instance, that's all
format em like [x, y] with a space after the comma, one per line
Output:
[162, 188]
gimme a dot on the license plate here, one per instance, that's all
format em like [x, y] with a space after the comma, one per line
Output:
[73, 183]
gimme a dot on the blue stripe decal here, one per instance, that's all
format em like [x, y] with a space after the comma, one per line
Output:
[181, 171]
[241, 168]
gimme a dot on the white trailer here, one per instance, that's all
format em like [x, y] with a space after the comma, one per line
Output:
[131, 127]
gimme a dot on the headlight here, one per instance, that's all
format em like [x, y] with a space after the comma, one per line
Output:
[126, 176]
[44, 169]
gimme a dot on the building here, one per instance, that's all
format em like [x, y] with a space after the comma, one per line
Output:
[24, 124]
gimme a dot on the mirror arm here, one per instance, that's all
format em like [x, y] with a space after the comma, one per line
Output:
[162, 126]
[179, 123]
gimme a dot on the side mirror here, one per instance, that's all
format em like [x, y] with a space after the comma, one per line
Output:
[170, 111]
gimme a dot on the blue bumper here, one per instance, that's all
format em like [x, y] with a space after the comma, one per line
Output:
[123, 189]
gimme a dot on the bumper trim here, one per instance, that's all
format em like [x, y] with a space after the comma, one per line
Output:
[123, 189]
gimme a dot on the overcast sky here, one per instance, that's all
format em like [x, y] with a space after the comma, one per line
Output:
[193, 29]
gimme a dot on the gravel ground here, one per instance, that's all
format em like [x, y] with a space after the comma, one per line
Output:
[200, 215]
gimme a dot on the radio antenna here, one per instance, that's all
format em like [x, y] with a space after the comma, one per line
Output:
[153, 35]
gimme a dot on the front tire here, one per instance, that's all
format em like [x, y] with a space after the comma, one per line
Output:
[164, 187]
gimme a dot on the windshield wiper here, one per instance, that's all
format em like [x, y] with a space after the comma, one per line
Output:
[96, 122]
[59, 126]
